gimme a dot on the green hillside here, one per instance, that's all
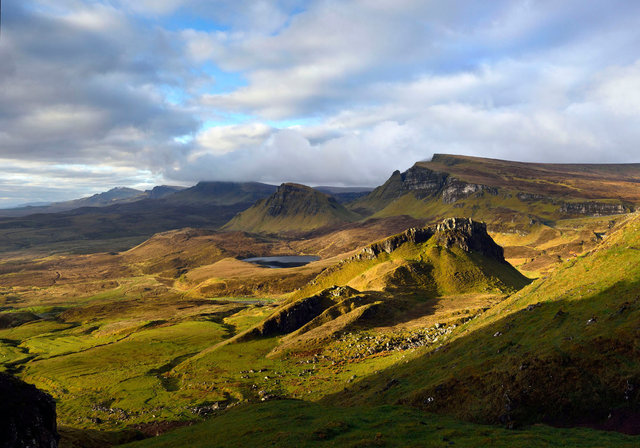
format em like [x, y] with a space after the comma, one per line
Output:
[293, 208]
[562, 350]
[433, 262]
[297, 424]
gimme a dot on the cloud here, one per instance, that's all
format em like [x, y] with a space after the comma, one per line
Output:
[313, 91]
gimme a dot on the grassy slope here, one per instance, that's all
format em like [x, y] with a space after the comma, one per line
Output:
[293, 208]
[564, 347]
[535, 237]
[425, 267]
[301, 424]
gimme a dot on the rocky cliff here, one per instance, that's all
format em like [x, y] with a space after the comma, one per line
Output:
[468, 235]
[424, 183]
[593, 208]
[465, 233]
[27, 416]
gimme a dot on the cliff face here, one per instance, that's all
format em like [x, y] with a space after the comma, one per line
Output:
[423, 183]
[427, 183]
[470, 236]
[593, 208]
[27, 416]
[467, 234]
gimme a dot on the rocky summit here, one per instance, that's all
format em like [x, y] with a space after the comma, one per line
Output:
[470, 236]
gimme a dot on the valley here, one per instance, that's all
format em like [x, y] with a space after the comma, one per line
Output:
[466, 300]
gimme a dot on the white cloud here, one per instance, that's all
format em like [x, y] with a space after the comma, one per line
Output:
[361, 87]
[220, 140]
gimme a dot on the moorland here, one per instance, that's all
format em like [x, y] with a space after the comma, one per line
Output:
[465, 302]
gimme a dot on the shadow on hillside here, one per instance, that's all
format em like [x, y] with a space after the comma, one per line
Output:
[562, 363]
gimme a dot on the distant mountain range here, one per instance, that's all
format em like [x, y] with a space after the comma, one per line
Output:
[118, 195]
[508, 196]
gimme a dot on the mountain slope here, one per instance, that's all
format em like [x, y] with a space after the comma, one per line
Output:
[397, 277]
[293, 208]
[562, 350]
[127, 223]
[546, 190]
[113, 196]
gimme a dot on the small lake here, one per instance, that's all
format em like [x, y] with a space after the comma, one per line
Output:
[286, 261]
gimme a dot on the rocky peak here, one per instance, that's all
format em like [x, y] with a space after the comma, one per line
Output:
[468, 235]
[27, 416]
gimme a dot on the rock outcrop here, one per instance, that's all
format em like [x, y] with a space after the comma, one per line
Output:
[388, 245]
[470, 236]
[425, 183]
[455, 190]
[593, 208]
[27, 416]
[465, 233]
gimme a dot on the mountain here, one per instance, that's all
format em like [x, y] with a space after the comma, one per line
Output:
[549, 191]
[540, 213]
[222, 193]
[128, 222]
[293, 208]
[118, 195]
[161, 191]
[454, 257]
[344, 194]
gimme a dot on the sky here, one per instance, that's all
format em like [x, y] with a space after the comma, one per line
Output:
[102, 93]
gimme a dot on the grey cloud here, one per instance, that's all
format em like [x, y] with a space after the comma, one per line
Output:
[362, 86]
[78, 82]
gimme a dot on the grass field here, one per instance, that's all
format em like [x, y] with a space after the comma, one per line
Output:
[302, 424]
[133, 344]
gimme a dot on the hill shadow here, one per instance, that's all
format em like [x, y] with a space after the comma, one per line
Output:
[566, 363]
